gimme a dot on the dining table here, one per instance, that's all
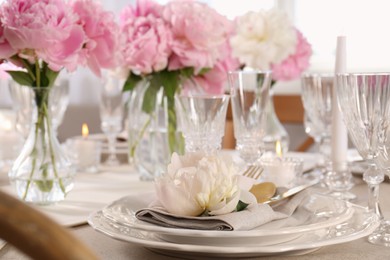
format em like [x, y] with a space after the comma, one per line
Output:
[93, 191]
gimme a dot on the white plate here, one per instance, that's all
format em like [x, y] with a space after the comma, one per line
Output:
[360, 225]
[316, 212]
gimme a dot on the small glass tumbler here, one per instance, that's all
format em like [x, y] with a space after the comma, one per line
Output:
[202, 121]
[85, 154]
[249, 92]
[282, 171]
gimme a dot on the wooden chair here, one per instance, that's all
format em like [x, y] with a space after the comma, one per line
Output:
[35, 234]
[289, 109]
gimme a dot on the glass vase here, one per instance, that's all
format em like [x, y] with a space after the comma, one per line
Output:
[42, 173]
[152, 130]
[275, 131]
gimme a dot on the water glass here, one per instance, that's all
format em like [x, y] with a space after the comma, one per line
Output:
[249, 92]
[202, 121]
[111, 109]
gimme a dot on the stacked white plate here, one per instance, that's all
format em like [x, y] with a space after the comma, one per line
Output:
[318, 222]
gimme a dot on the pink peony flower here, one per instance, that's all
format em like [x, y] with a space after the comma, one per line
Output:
[295, 64]
[198, 33]
[213, 81]
[147, 44]
[43, 28]
[101, 35]
[141, 9]
[6, 50]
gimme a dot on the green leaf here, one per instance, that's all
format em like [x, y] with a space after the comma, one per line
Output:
[44, 185]
[150, 96]
[204, 71]
[241, 205]
[170, 81]
[187, 72]
[21, 77]
[131, 82]
[49, 76]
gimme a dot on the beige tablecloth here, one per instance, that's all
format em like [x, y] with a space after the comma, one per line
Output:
[97, 190]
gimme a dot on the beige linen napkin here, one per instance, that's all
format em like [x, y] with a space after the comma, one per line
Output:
[250, 218]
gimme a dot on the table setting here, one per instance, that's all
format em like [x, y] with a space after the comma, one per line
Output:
[157, 183]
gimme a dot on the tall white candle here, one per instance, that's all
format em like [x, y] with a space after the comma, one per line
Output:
[339, 139]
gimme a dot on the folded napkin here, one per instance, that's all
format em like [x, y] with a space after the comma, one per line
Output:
[250, 218]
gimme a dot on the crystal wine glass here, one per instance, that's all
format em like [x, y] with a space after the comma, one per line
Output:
[111, 114]
[202, 121]
[317, 93]
[317, 102]
[365, 102]
[249, 93]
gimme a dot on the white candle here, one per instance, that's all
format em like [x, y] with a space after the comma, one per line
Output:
[84, 152]
[339, 139]
[282, 171]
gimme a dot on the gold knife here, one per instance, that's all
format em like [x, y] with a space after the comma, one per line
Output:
[291, 192]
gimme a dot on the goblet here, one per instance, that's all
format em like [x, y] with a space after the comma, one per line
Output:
[202, 121]
[249, 91]
[111, 114]
[365, 102]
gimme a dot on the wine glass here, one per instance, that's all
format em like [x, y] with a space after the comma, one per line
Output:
[111, 114]
[365, 102]
[249, 92]
[317, 102]
[202, 121]
[317, 96]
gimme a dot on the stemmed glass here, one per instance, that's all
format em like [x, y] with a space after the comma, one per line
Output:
[249, 92]
[317, 102]
[202, 121]
[317, 95]
[111, 114]
[365, 102]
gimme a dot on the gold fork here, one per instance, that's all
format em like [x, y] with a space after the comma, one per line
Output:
[253, 171]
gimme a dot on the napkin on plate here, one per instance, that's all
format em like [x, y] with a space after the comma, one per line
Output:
[250, 218]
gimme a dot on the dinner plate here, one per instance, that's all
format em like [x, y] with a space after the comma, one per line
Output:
[315, 212]
[361, 224]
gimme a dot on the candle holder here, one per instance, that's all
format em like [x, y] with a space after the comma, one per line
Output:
[84, 154]
[282, 171]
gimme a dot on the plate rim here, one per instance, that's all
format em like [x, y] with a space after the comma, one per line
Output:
[145, 226]
[252, 249]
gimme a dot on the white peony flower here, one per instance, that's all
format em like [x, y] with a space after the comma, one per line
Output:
[195, 184]
[263, 38]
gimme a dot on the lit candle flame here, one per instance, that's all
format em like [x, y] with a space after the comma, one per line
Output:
[278, 148]
[84, 130]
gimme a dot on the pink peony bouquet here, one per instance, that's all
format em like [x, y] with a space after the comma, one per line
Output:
[268, 40]
[176, 41]
[45, 36]
[180, 46]
[40, 38]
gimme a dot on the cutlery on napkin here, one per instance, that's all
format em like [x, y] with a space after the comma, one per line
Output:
[252, 217]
